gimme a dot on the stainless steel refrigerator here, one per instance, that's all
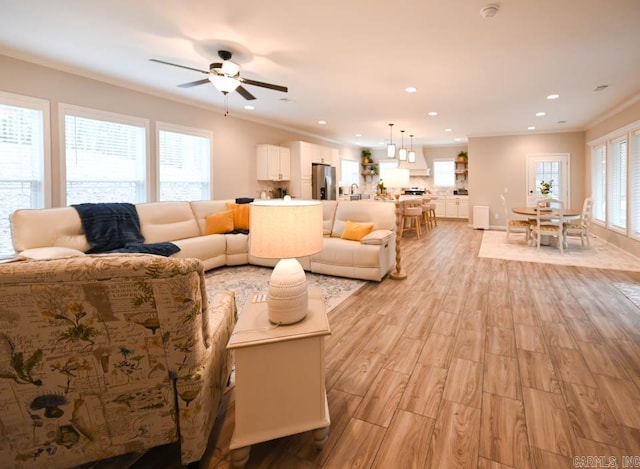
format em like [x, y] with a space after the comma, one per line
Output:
[323, 182]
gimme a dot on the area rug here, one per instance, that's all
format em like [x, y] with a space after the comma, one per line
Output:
[250, 280]
[601, 254]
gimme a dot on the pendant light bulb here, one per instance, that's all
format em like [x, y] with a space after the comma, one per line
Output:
[412, 154]
[402, 153]
[391, 148]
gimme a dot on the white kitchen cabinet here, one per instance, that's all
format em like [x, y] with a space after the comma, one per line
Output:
[441, 209]
[303, 156]
[273, 163]
[456, 207]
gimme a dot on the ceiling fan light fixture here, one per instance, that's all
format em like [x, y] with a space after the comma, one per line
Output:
[391, 148]
[223, 83]
[230, 69]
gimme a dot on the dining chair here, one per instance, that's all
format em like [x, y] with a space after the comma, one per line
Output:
[549, 222]
[580, 226]
[521, 225]
[412, 212]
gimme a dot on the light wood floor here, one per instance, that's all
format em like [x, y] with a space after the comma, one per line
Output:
[468, 363]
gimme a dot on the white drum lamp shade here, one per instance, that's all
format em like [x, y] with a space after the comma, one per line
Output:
[286, 229]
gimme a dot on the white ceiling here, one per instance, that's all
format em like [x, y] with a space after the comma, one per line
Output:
[349, 61]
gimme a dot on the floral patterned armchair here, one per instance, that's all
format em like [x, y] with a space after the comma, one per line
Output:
[94, 350]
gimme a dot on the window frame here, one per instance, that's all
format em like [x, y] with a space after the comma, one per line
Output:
[356, 163]
[624, 133]
[633, 192]
[65, 109]
[180, 129]
[594, 148]
[44, 196]
[623, 173]
[444, 160]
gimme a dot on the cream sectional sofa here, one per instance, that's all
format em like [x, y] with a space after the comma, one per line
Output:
[183, 223]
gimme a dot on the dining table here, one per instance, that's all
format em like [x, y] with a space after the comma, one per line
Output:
[532, 213]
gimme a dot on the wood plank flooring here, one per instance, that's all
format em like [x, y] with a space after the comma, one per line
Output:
[468, 363]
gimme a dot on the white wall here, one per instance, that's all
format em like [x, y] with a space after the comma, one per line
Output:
[499, 163]
[234, 140]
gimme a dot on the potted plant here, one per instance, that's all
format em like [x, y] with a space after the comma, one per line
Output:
[366, 156]
[546, 187]
[462, 157]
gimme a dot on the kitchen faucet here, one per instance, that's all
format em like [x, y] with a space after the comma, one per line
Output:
[354, 184]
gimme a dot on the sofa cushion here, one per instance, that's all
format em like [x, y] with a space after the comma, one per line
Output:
[377, 237]
[219, 223]
[50, 253]
[202, 208]
[341, 252]
[381, 214]
[240, 215]
[328, 215]
[356, 231]
[167, 221]
[39, 228]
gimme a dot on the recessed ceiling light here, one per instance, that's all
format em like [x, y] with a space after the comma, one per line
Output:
[358, 135]
[382, 143]
[457, 139]
[531, 128]
[448, 130]
[410, 89]
[553, 96]
[249, 107]
[322, 122]
[540, 114]
[433, 113]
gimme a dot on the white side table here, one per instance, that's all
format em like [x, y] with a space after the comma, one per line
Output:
[280, 383]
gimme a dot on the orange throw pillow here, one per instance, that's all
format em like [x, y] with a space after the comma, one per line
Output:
[219, 223]
[356, 231]
[240, 215]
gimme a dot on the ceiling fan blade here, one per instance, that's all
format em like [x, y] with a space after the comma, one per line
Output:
[191, 84]
[247, 81]
[244, 93]
[176, 65]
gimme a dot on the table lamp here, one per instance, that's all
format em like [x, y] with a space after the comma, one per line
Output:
[397, 178]
[286, 229]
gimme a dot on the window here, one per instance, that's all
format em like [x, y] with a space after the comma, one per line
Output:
[349, 172]
[184, 161]
[634, 183]
[385, 165]
[444, 173]
[617, 184]
[598, 181]
[105, 156]
[24, 147]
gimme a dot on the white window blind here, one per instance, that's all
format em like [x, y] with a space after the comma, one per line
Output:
[349, 172]
[105, 157]
[634, 179]
[184, 163]
[617, 184]
[598, 181]
[444, 173]
[23, 159]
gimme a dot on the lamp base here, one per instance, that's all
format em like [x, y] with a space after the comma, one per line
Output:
[288, 299]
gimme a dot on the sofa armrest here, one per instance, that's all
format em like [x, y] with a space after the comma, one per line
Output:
[377, 237]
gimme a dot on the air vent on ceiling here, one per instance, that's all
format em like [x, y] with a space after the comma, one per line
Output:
[490, 10]
[601, 87]
[562, 122]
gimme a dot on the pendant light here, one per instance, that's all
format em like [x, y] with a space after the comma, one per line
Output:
[412, 154]
[402, 153]
[391, 148]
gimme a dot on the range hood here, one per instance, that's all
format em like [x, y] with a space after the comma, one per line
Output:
[419, 168]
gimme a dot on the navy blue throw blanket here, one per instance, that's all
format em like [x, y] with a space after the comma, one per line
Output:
[111, 227]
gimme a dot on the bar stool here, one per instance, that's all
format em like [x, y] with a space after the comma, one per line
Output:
[412, 212]
[429, 213]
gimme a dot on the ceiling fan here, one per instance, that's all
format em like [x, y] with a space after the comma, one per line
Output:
[225, 76]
